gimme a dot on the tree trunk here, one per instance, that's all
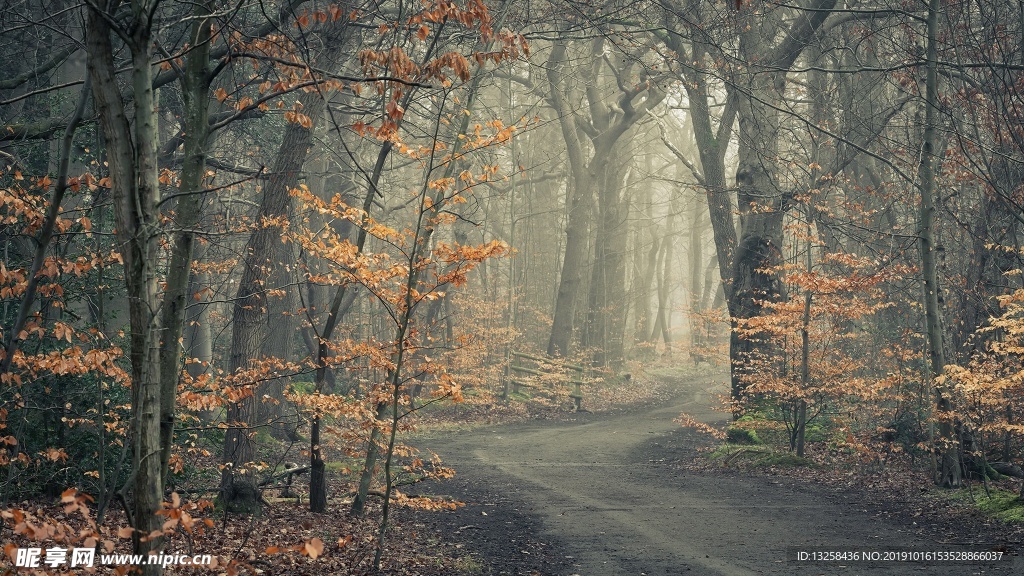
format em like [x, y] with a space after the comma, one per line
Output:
[608, 122]
[948, 471]
[663, 318]
[579, 196]
[196, 95]
[759, 198]
[762, 203]
[805, 358]
[698, 341]
[132, 161]
[646, 283]
[605, 314]
[279, 342]
[249, 314]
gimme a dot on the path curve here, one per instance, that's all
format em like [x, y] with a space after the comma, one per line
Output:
[604, 497]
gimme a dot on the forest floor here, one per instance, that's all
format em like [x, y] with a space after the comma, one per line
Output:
[626, 492]
[623, 490]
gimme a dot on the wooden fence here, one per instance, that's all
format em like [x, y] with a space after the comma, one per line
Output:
[526, 370]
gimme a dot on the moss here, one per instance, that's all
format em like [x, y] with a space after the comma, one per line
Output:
[815, 433]
[744, 436]
[1002, 504]
[519, 396]
[782, 459]
[737, 451]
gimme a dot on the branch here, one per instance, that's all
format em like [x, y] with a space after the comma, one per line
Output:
[46, 232]
[35, 130]
[43, 68]
[676, 152]
[224, 53]
[805, 27]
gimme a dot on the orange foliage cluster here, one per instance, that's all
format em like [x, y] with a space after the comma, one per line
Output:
[988, 391]
[844, 379]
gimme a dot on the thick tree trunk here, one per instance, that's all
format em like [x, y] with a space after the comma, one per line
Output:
[198, 332]
[759, 199]
[579, 197]
[606, 311]
[574, 259]
[755, 98]
[249, 313]
[279, 342]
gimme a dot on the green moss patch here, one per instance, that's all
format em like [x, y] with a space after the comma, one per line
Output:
[1002, 504]
[743, 436]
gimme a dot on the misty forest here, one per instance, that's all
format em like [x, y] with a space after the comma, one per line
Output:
[493, 286]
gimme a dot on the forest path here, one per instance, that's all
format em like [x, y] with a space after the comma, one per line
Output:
[599, 495]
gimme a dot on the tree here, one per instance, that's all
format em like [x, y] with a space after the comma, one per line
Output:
[134, 185]
[597, 176]
[815, 365]
[948, 469]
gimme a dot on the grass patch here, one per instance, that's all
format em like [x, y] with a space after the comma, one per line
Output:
[784, 459]
[469, 565]
[755, 456]
[1003, 504]
[520, 396]
[344, 465]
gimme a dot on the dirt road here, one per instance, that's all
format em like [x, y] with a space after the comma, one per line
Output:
[598, 494]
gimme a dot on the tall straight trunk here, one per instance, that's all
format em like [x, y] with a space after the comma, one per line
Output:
[605, 314]
[800, 422]
[638, 303]
[196, 95]
[948, 468]
[665, 283]
[279, 340]
[712, 143]
[147, 463]
[645, 283]
[198, 332]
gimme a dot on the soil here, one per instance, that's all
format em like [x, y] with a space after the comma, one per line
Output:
[605, 494]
